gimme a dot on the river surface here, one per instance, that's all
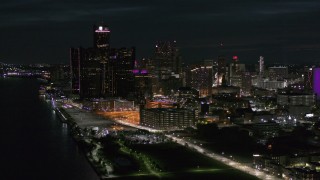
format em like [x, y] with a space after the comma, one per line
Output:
[35, 145]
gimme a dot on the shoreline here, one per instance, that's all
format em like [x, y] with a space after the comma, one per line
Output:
[64, 117]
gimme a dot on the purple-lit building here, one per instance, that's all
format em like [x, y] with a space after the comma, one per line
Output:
[316, 82]
[142, 85]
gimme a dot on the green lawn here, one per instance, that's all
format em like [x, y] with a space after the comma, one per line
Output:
[176, 161]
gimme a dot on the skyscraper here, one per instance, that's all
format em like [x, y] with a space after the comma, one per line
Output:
[91, 74]
[123, 64]
[200, 77]
[246, 83]
[102, 71]
[308, 78]
[101, 37]
[88, 66]
[76, 56]
[261, 66]
[235, 72]
[221, 74]
[101, 46]
[167, 59]
[142, 85]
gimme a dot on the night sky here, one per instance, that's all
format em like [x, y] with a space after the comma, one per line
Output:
[36, 31]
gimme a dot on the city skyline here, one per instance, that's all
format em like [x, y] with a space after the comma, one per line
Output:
[43, 31]
[219, 118]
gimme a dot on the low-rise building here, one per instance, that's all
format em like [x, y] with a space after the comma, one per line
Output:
[296, 99]
[166, 118]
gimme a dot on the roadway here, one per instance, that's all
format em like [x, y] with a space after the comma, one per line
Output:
[236, 165]
[224, 160]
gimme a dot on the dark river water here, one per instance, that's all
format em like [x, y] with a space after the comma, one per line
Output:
[34, 144]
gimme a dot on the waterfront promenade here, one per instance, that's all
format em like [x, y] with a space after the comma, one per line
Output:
[85, 119]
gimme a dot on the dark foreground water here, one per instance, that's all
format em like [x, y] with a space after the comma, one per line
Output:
[34, 145]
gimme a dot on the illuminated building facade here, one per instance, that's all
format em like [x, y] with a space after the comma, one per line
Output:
[272, 85]
[188, 93]
[246, 83]
[167, 67]
[101, 37]
[229, 101]
[142, 85]
[226, 90]
[296, 99]
[261, 66]
[221, 71]
[201, 79]
[316, 82]
[278, 73]
[166, 119]
[167, 59]
[235, 72]
[109, 105]
[308, 78]
[101, 48]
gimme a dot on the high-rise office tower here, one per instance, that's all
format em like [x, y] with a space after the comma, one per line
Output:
[91, 76]
[215, 73]
[101, 45]
[123, 63]
[261, 66]
[246, 83]
[233, 66]
[167, 59]
[76, 56]
[142, 85]
[101, 71]
[308, 78]
[201, 79]
[101, 37]
[235, 72]
[222, 72]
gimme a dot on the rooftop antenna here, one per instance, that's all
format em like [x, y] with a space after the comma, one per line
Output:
[102, 22]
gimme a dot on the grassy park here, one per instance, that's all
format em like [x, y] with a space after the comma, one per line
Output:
[163, 160]
[176, 161]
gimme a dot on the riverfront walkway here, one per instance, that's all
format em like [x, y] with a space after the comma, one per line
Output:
[85, 119]
[237, 165]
